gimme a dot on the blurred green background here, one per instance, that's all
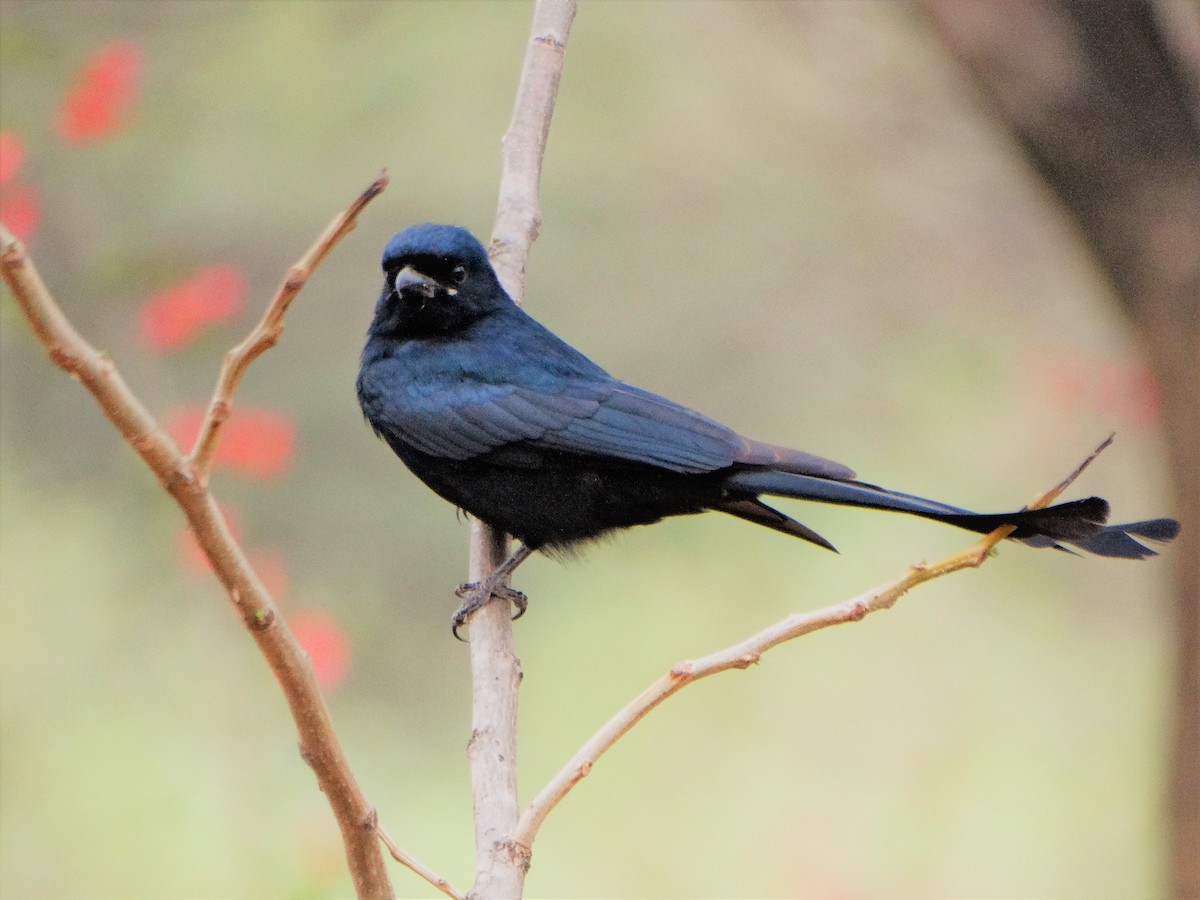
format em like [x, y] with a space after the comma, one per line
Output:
[791, 216]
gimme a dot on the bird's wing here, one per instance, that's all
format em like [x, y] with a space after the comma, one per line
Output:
[634, 424]
[638, 426]
[595, 417]
[467, 421]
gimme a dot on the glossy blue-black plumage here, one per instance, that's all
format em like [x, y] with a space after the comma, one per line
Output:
[513, 425]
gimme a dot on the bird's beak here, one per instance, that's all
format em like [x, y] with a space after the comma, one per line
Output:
[409, 280]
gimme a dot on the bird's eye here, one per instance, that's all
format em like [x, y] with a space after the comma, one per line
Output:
[459, 274]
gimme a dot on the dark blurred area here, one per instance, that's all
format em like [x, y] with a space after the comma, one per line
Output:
[791, 216]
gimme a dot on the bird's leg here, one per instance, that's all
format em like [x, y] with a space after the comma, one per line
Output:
[478, 593]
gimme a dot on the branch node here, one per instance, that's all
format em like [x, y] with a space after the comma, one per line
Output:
[310, 758]
[144, 440]
[14, 254]
[65, 359]
[476, 736]
[295, 279]
[260, 619]
[682, 670]
[370, 820]
[550, 41]
[515, 851]
[182, 476]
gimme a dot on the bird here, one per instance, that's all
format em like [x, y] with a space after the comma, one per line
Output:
[514, 426]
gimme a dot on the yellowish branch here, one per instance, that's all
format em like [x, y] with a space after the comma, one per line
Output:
[748, 652]
[419, 868]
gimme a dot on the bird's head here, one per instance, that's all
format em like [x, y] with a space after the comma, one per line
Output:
[437, 280]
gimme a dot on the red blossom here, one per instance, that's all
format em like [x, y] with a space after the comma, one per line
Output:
[1128, 390]
[326, 645]
[183, 425]
[268, 564]
[1106, 388]
[257, 442]
[20, 210]
[12, 154]
[101, 100]
[1145, 398]
[174, 316]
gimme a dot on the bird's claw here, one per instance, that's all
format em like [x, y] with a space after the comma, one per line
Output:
[476, 594]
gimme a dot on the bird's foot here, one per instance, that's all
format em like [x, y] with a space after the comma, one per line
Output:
[477, 594]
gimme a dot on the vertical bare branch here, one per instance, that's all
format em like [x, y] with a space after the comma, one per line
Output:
[500, 865]
[518, 212]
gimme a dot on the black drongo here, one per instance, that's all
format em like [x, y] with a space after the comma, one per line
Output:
[508, 422]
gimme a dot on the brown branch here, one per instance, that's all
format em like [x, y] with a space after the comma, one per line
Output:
[269, 328]
[287, 660]
[500, 865]
[748, 652]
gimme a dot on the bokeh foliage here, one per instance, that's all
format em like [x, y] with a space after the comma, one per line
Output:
[790, 216]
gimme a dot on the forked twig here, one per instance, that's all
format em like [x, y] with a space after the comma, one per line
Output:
[418, 867]
[269, 328]
[289, 663]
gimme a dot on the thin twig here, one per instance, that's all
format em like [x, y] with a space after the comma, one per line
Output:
[289, 663]
[748, 652]
[269, 328]
[500, 865]
[419, 868]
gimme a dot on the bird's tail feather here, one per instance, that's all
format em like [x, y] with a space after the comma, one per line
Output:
[1079, 523]
[1119, 541]
[754, 510]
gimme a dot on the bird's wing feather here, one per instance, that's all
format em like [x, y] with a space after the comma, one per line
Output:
[795, 462]
[585, 416]
[459, 423]
[638, 426]
[476, 405]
